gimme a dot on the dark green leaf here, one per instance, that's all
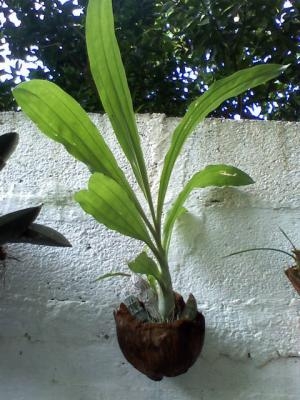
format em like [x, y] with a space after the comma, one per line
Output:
[8, 143]
[14, 224]
[42, 235]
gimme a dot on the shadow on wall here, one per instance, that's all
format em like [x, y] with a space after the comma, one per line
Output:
[247, 300]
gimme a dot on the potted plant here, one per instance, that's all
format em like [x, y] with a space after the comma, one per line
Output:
[18, 226]
[167, 344]
[293, 272]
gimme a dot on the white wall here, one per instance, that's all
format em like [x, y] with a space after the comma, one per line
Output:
[57, 335]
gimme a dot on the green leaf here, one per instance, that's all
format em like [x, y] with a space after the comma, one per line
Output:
[212, 175]
[111, 275]
[42, 235]
[110, 205]
[62, 119]
[18, 227]
[110, 78]
[8, 143]
[261, 248]
[152, 282]
[143, 264]
[14, 224]
[218, 92]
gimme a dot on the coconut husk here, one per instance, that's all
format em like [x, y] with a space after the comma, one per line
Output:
[293, 274]
[160, 349]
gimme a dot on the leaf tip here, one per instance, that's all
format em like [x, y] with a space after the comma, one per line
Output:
[284, 67]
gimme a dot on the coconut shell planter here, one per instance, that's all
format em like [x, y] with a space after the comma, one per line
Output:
[160, 349]
[293, 273]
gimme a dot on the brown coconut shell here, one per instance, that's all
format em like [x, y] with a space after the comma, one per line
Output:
[160, 349]
[293, 274]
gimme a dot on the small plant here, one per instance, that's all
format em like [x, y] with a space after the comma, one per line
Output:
[293, 272]
[109, 197]
[19, 226]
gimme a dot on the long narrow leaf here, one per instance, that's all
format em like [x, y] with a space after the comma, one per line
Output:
[261, 248]
[212, 175]
[220, 91]
[111, 275]
[110, 78]
[110, 205]
[62, 119]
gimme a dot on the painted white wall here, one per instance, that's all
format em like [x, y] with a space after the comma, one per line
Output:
[57, 335]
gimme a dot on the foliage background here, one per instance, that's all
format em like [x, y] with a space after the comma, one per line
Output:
[172, 50]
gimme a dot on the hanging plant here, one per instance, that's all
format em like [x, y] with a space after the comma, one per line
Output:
[18, 226]
[165, 339]
[293, 272]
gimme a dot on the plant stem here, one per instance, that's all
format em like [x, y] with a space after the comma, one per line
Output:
[166, 303]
